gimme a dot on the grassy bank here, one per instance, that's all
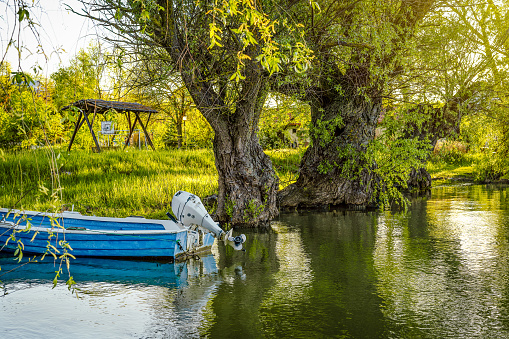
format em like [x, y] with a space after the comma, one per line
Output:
[446, 173]
[122, 183]
[116, 183]
[448, 166]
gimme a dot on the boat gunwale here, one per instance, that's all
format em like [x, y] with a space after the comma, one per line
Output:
[13, 226]
[168, 225]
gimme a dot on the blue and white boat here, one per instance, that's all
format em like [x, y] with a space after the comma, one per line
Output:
[192, 231]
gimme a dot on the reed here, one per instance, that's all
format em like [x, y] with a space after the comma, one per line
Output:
[115, 183]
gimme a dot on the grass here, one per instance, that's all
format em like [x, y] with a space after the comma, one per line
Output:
[445, 170]
[450, 171]
[116, 183]
[286, 164]
[113, 183]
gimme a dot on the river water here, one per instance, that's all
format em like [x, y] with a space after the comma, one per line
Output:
[439, 270]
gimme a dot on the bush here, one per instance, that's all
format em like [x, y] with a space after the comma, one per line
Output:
[451, 152]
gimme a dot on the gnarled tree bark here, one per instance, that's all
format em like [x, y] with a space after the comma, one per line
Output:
[247, 183]
[327, 176]
[177, 33]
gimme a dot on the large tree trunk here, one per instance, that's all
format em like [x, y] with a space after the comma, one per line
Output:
[334, 171]
[247, 183]
[419, 181]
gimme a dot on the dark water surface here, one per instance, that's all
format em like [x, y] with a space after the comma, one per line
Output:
[440, 270]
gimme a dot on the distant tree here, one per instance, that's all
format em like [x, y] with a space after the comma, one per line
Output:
[458, 71]
[81, 79]
[158, 85]
[27, 116]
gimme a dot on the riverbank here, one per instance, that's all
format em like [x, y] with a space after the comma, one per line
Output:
[444, 173]
[448, 173]
[115, 183]
[122, 183]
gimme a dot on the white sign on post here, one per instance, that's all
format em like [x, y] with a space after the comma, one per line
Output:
[107, 127]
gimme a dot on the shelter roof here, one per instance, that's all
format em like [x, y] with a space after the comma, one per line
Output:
[101, 106]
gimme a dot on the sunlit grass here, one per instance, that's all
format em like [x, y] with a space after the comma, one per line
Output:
[444, 170]
[117, 183]
[122, 183]
[286, 164]
[112, 183]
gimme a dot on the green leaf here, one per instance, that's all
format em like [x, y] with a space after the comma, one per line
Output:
[145, 15]
[22, 13]
[118, 14]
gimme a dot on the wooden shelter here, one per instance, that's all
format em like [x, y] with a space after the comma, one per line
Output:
[97, 106]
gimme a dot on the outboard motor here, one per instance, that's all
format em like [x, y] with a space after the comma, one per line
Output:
[236, 242]
[189, 210]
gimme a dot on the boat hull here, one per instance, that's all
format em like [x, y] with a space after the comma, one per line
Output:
[93, 237]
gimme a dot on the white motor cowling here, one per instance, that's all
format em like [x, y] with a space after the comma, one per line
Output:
[189, 210]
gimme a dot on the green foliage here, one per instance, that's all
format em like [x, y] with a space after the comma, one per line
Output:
[465, 57]
[389, 159]
[324, 130]
[487, 137]
[489, 168]
[81, 79]
[395, 158]
[252, 26]
[59, 249]
[325, 166]
[286, 164]
[230, 207]
[253, 210]
[451, 152]
[272, 133]
[26, 117]
[21, 79]
[196, 132]
[280, 114]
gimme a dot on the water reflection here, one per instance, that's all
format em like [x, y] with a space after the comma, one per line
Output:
[292, 281]
[442, 267]
[116, 299]
[474, 225]
[310, 275]
[439, 270]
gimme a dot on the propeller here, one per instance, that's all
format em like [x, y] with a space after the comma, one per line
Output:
[235, 242]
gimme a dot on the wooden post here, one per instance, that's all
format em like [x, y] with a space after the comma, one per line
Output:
[145, 131]
[92, 131]
[76, 128]
[131, 130]
[128, 117]
[128, 114]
